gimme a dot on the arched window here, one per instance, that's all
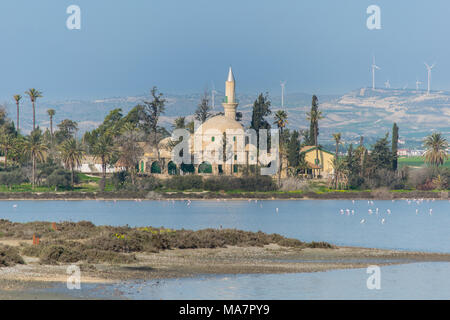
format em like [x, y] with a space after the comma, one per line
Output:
[172, 168]
[205, 167]
[155, 168]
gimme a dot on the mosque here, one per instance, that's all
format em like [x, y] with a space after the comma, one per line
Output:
[238, 152]
[203, 143]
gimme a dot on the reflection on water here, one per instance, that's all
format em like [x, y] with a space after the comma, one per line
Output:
[409, 281]
[407, 225]
[401, 224]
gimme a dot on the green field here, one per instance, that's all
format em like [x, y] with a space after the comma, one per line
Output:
[416, 162]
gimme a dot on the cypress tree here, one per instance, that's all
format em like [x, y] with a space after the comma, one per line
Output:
[395, 147]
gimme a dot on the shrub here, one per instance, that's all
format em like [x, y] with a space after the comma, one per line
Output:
[9, 256]
[119, 179]
[249, 183]
[11, 178]
[60, 178]
[149, 183]
[258, 183]
[185, 182]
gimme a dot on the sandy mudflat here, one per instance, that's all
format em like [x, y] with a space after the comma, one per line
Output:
[21, 281]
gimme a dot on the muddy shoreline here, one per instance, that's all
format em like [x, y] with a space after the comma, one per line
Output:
[30, 281]
[354, 195]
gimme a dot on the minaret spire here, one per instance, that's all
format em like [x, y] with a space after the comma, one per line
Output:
[230, 103]
[230, 75]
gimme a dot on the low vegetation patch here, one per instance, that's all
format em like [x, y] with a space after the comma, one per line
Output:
[9, 256]
[70, 242]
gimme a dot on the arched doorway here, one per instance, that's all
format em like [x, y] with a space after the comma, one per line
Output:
[205, 167]
[187, 168]
[155, 168]
[172, 168]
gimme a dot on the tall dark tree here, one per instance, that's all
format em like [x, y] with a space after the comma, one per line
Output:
[381, 155]
[203, 111]
[313, 126]
[261, 109]
[294, 149]
[314, 116]
[152, 112]
[395, 147]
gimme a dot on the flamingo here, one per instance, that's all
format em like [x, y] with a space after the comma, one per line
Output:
[382, 221]
[363, 221]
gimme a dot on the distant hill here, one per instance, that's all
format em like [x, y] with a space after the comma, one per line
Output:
[366, 112]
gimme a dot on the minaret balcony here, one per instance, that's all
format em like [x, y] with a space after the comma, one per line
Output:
[225, 100]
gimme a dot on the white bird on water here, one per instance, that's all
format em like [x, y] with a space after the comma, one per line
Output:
[14, 205]
[431, 212]
[388, 211]
[276, 210]
[370, 211]
[383, 221]
[363, 221]
[417, 211]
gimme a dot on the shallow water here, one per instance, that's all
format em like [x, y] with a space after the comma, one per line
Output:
[408, 281]
[307, 220]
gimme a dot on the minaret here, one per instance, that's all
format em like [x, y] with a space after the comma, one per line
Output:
[230, 103]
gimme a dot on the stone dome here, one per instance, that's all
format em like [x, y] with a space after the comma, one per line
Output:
[220, 123]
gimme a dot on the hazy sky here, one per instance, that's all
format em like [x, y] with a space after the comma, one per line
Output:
[125, 47]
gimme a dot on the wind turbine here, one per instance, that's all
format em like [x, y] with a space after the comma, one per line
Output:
[213, 96]
[282, 84]
[417, 84]
[429, 76]
[387, 84]
[374, 66]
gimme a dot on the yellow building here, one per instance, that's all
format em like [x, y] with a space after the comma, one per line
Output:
[319, 161]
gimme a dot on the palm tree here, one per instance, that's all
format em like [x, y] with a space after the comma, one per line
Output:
[314, 116]
[436, 152]
[7, 142]
[104, 151]
[35, 148]
[281, 121]
[337, 138]
[17, 98]
[72, 154]
[51, 113]
[34, 94]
